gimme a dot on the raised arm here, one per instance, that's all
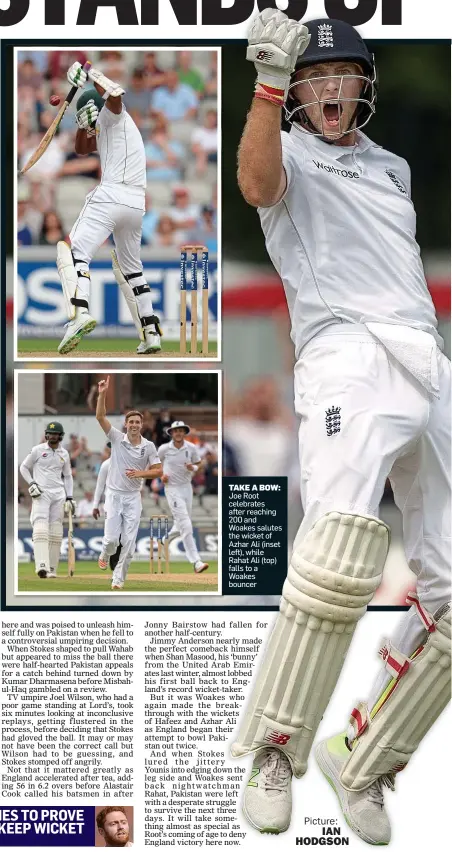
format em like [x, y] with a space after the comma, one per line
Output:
[261, 175]
[101, 410]
[109, 90]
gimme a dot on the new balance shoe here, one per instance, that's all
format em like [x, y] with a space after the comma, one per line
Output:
[103, 562]
[150, 345]
[75, 331]
[364, 811]
[267, 801]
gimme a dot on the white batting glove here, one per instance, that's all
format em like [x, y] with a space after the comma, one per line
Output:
[275, 43]
[87, 116]
[76, 75]
[70, 506]
[110, 87]
[35, 490]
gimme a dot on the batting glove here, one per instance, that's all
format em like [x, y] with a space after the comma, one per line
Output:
[35, 490]
[87, 116]
[76, 75]
[70, 506]
[111, 88]
[275, 43]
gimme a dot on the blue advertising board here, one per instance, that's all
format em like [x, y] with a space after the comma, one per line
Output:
[88, 544]
[41, 312]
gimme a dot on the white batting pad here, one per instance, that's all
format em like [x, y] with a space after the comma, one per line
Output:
[128, 294]
[55, 539]
[332, 577]
[40, 539]
[421, 693]
[68, 276]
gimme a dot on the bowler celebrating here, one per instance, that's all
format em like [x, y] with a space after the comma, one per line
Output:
[372, 388]
[122, 494]
[47, 471]
[180, 461]
[115, 207]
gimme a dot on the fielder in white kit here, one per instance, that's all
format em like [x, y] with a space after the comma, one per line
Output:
[180, 459]
[115, 207]
[122, 494]
[372, 389]
[47, 471]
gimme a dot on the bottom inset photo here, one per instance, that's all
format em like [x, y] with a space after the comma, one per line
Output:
[117, 482]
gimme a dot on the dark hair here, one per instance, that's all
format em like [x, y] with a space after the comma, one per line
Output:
[102, 815]
[133, 413]
[44, 222]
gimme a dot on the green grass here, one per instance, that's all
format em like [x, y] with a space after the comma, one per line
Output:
[100, 346]
[89, 578]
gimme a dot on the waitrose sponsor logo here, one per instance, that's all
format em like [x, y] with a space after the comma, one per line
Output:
[342, 172]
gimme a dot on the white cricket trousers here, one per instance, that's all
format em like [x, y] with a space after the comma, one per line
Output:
[180, 501]
[96, 222]
[122, 519]
[364, 418]
[48, 507]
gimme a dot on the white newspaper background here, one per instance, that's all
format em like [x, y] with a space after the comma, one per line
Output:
[133, 708]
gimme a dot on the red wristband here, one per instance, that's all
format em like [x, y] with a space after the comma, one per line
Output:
[270, 93]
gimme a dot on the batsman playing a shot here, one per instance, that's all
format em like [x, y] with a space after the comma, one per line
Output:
[372, 388]
[180, 460]
[122, 494]
[115, 207]
[47, 471]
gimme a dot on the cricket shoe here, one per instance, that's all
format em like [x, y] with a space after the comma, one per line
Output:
[267, 802]
[75, 331]
[150, 345]
[52, 573]
[364, 811]
[103, 562]
[199, 566]
[116, 586]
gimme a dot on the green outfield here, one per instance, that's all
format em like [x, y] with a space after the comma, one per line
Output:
[89, 578]
[91, 347]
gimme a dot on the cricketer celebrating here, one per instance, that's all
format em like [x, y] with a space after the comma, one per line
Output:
[372, 388]
[122, 494]
[47, 471]
[115, 207]
[180, 460]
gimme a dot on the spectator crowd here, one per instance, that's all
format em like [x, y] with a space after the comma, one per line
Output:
[172, 97]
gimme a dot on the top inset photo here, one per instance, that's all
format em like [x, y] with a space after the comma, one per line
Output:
[118, 224]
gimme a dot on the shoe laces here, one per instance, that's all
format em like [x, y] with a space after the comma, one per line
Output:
[276, 770]
[375, 792]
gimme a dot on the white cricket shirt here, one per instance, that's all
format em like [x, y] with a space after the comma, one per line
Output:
[123, 159]
[343, 238]
[47, 467]
[125, 456]
[174, 461]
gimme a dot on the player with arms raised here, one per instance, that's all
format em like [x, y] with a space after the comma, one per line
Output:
[181, 460]
[372, 388]
[115, 207]
[122, 495]
[47, 471]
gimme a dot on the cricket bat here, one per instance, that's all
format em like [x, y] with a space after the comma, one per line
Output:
[70, 547]
[46, 140]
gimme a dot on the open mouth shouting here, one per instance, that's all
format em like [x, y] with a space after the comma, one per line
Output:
[332, 111]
